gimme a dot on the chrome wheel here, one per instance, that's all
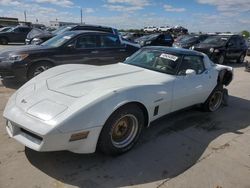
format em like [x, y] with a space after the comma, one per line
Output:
[124, 131]
[40, 69]
[242, 58]
[215, 100]
[221, 59]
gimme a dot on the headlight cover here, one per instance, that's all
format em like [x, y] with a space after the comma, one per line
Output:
[17, 57]
[211, 50]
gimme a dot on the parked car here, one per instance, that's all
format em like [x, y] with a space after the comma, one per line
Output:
[247, 66]
[42, 36]
[157, 39]
[4, 29]
[150, 29]
[164, 28]
[73, 47]
[188, 41]
[81, 107]
[17, 34]
[224, 47]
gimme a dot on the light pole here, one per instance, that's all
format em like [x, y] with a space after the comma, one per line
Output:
[81, 15]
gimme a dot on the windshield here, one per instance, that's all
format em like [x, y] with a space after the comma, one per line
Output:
[58, 40]
[189, 38]
[156, 60]
[216, 40]
[61, 30]
[149, 37]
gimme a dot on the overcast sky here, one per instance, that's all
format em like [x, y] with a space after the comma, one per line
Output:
[196, 15]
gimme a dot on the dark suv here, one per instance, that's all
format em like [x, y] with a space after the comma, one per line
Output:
[17, 34]
[38, 36]
[157, 39]
[224, 47]
[72, 47]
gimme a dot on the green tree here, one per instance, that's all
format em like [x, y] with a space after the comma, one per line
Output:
[246, 34]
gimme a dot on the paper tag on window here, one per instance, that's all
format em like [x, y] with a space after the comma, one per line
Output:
[169, 56]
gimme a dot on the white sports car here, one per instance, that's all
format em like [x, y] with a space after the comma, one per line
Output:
[82, 107]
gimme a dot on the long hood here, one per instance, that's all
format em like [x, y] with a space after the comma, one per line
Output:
[207, 46]
[91, 79]
[22, 49]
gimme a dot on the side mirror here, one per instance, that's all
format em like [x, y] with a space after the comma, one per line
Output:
[190, 72]
[71, 46]
[230, 44]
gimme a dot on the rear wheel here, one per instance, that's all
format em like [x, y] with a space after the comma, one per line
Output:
[122, 130]
[241, 58]
[38, 68]
[215, 100]
[3, 41]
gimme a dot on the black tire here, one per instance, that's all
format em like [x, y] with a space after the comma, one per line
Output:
[215, 100]
[221, 59]
[106, 143]
[4, 41]
[241, 59]
[38, 68]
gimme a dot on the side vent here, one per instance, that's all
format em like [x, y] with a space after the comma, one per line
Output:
[156, 110]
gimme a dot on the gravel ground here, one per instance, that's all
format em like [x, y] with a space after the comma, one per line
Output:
[186, 149]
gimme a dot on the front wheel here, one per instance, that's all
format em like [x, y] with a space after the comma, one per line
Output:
[3, 41]
[38, 69]
[241, 58]
[122, 130]
[214, 101]
[221, 60]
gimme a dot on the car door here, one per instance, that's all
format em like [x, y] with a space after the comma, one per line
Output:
[111, 49]
[19, 34]
[82, 50]
[191, 89]
[232, 48]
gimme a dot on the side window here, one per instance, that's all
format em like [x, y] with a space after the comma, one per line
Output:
[110, 41]
[192, 62]
[23, 30]
[168, 37]
[88, 41]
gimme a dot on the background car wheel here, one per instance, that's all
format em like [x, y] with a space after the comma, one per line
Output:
[38, 68]
[3, 41]
[221, 59]
[215, 100]
[241, 58]
[122, 130]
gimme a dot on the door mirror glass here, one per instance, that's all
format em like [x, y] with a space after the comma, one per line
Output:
[71, 46]
[190, 72]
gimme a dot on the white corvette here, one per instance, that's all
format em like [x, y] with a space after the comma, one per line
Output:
[82, 107]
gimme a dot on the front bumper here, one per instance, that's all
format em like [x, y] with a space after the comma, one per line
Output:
[13, 70]
[56, 141]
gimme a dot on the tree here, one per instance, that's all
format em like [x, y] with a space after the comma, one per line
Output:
[245, 34]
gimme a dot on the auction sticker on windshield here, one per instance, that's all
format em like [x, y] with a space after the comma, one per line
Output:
[169, 56]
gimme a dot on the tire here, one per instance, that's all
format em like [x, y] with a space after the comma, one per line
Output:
[215, 100]
[241, 59]
[4, 41]
[38, 68]
[221, 59]
[122, 130]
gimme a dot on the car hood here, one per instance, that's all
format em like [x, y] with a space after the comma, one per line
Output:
[90, 79]
[40, 35]
[22, 49]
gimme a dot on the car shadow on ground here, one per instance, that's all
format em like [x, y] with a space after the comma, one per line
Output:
[168, 148]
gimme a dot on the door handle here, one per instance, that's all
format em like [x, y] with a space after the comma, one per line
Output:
[95, 52]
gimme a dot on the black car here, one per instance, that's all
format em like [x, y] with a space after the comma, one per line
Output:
[248, 50]
[224, 47]
[38, 36]
[158, 39]
[73, 47]
[132, 36]
[188, 41]
[17, 34]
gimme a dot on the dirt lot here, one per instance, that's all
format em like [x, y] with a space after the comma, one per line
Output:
[186, 149]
